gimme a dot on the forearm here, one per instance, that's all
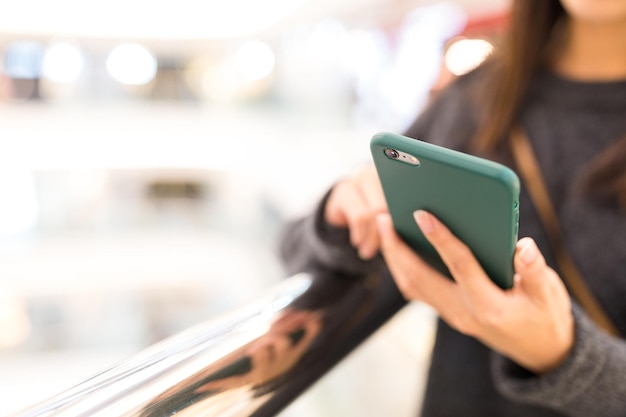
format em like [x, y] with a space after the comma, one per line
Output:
[591, 381]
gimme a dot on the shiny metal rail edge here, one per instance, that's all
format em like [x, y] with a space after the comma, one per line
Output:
[250, 362]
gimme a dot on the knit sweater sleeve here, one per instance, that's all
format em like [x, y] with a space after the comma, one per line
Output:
[590, 382]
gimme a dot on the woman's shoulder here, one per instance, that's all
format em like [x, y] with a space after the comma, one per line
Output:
[466, 83]
[451, 117]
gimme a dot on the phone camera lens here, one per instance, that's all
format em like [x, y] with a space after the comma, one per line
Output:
[392, 153]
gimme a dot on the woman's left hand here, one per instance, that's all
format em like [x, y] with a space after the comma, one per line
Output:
[531, 323]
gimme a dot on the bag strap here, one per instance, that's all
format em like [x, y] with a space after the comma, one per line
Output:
[536, 186]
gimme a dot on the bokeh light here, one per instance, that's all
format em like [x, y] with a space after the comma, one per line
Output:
[62, 63]
[254, 60]
[22, 60]
[132, 64]
[466, 54]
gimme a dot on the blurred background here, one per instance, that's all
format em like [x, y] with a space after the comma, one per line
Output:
[151, 150]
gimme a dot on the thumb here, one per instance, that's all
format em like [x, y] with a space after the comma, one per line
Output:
[531, 267]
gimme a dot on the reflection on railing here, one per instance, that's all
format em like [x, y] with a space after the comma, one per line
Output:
[251, 362]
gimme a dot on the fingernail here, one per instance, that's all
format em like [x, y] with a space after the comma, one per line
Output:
[366, 253]
[529, 252]
[424, 221]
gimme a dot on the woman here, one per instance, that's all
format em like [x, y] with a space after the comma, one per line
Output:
[529, 351]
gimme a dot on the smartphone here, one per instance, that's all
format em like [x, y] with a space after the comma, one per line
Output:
[477, 199]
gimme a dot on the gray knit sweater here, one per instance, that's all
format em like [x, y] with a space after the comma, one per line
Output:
[568, 123]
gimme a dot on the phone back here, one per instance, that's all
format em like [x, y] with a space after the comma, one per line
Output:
[476, 198]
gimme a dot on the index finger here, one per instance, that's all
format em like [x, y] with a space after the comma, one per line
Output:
[415, 278]
[459, 259]
[372, 190]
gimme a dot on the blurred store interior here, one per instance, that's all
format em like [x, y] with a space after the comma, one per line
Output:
[151, 150]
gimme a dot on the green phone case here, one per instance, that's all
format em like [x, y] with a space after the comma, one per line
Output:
[476, 198]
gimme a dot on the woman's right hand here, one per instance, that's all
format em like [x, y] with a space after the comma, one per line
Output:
[354, 203]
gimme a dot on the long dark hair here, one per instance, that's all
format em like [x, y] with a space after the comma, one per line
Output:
[525, 48]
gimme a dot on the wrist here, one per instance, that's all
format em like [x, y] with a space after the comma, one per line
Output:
[563, 343]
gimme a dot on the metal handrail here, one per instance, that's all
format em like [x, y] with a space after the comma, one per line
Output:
[250, 362]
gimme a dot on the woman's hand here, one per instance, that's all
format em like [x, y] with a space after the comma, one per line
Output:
[531, 323]
[354, 203]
